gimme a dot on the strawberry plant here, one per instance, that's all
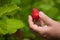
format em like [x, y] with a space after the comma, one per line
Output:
[14, 17]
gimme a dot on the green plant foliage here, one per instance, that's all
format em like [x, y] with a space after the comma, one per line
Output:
[12, 38]
[13, 25]
[7, 9]
[4, 2]
[58, 1]
[10, 26]
[14, 15]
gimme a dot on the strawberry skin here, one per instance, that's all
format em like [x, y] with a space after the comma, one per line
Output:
[35, 14]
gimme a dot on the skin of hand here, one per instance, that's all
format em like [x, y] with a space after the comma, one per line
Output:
[51, 28]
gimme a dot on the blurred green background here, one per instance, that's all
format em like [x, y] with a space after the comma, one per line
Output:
[14, 17]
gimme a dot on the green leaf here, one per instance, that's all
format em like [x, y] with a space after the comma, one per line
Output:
[58, 1]
[4, 2]
[13, 25]
[16, 1]
[7, 8]
[3, 27]
[10, 26]
[2, 31]
[52, 12]
[58, 18]
[49, 2]
[36, 4]
[45, 7]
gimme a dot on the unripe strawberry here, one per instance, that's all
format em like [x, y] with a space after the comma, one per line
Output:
[35, 14]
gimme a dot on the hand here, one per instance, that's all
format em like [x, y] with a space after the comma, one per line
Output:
[51, 28]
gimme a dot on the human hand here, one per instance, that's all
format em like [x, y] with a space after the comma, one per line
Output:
[51, 28]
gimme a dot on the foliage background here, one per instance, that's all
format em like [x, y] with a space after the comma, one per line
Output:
[14, 16]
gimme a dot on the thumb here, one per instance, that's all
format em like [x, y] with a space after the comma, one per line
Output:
[46, 19]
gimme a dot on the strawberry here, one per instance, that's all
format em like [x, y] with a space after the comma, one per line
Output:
[35, 14]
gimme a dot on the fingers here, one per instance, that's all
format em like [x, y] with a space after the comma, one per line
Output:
[45, 18]
[30, 21]
[44, 30]
[41, 22]
[33, 26]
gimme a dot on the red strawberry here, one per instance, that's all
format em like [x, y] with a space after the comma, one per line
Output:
[35, 14]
